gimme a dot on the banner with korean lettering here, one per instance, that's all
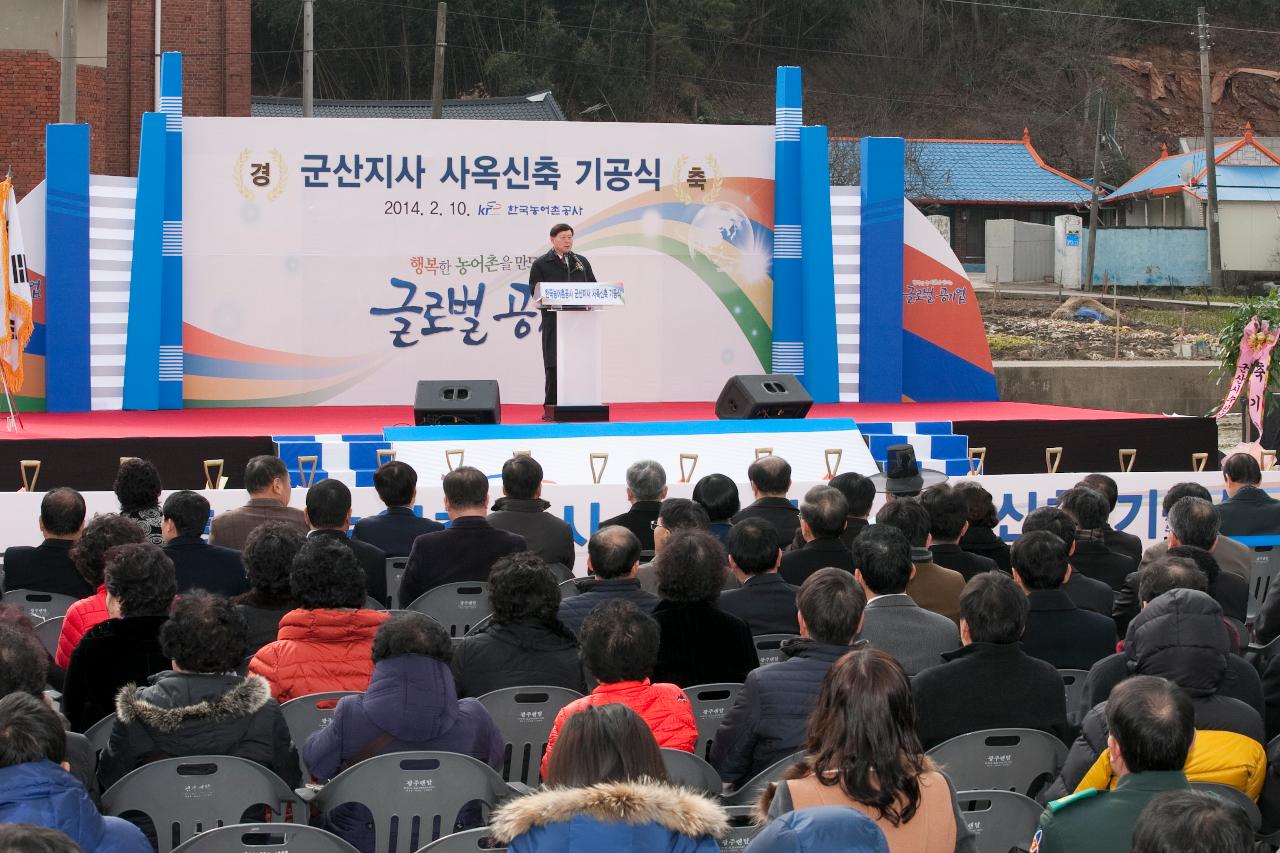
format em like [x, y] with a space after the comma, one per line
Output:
[338, 261]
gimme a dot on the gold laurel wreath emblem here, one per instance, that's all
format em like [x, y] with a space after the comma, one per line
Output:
[238, 175]
[716, 180]
[681, 189]
[282, 177]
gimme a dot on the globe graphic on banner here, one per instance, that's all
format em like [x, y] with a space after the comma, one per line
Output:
[722, 234]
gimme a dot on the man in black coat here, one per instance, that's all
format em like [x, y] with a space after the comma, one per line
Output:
[1087, 593]
[393, 530]
[1092, 556]
[1248, 510]
[1117, 540]
[1057, 631]
[990, 683]
[521, 510]
[770, 713]
[329, 516]
[646, 490]
[196, 563]
[822, 520]
[613, 558]
[948, 521]
[467, 550]
[765, 601]
[560, 264]
[47, 567]
[770, 478]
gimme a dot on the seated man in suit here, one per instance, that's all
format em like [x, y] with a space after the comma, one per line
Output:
[948, 510]
[197, 564]
[468, 548]
[766, 602]
[1057, 630]
[266, 479]
[822, 519]
[613, 558]
[646, 490]
[1084, 590]
[1117, 540]
[770, 478]
[329, 516]
[1248, 510]
[522, 510]
[860, 493]
[1092, 556]
[932, 587]
[393, 530]
[893, 621]
[1230, 554]
[47, 567]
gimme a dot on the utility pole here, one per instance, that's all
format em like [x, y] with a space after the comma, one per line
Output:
[1093, 195]
[437, 72]
[67, 63]
[308, 58]
[1211, 210]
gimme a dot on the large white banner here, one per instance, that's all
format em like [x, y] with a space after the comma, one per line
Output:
[338, 261]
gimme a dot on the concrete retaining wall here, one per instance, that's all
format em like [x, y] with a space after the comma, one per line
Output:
[1170, 387]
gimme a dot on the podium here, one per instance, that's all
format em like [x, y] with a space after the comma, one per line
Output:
[578, 335]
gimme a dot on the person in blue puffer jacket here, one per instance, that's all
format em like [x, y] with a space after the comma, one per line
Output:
[36, 787]
[821, 829]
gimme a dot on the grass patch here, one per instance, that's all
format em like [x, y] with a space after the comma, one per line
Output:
[1000, 343]
[1206, 321]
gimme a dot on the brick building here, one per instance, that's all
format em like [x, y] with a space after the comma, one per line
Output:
[115, 77]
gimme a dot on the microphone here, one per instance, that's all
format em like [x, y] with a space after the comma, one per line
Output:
[568, 265]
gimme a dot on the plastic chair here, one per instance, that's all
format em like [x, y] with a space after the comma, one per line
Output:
[184, 796]
[40, 605]
[479, 626]
[561, 571]
[395, 574]
[687, 769]
[769, 647]
[415, 797]
[1073, 682]
[1000, 820]
[1019, 760]
[1235, 797]
[739, 836]
[1266, 565]
[466, 841]
[48, 631]
[308, 714]
[456, 606]
[711, 703]
[750, 792]
[371, 603]
[570, 588]
[265, 838]
[524, 716]
[99, 734]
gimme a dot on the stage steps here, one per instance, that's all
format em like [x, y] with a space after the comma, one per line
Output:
[936, 446]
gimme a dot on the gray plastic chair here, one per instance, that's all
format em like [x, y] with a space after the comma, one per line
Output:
[711, 703]
[456, 606]
[524, 716]
[739, 836]
[750, 792]
[687, 769]
[769, 646]
[467, 841]
[415, 797]
[1001, 821]
[40, 605]
[1235, 797]
[395, 574]
[1020, 760]
[570, 588]
[99, 734]
[308, 714]
[184, 796]
[371, 603]
[1266, 564]
[265, 838]
[48, 631]
[479, 626]
[561, 571]
[1073, 683]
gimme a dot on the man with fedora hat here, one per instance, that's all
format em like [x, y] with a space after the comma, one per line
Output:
[902, 477]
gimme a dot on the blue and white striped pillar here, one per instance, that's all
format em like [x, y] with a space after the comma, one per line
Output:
[821, 377]
[788, 275]
[146, 274]
[171, 363]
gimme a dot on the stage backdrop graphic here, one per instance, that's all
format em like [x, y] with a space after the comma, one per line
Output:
[333, 261]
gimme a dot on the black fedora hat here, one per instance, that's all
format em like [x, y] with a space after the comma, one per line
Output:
[902, 474]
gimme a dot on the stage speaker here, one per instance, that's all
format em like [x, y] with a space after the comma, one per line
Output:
[777, 395]
[457, 401]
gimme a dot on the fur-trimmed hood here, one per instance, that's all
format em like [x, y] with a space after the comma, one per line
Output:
[676, 809]
[180, 697]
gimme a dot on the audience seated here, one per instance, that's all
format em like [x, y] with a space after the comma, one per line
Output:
[1092, 557]
[700, 643]
[48, 567]
[931, 586]
[1149, 728]
[266, 479]
[328, 515]
[606, 789]
[822, 518]
[1248, 510]
[393, 530]
[646, 490]
[36, 789]
[89, 553]
[411, 704]
[1191, 822]
[525, 642]
[1087, 593]
[521, 510]
[981, 537]
[613, 559]
[1230, 554]
[126, 647]
[137, 487]
[893, 621]
[1058, 631]
[200, 706]
[948, 521]
[718, 495]
[864, 753]
[766, 602]
[991, 683]
[323, 645]
[197, 564]
[1223, 587]
[1117, 540]
[675, 515]
[770, 478]
[859, 493]
[467, 550]
[820, 828]
[268, 558]
[768, 717]
[28, 838]
[619, 648]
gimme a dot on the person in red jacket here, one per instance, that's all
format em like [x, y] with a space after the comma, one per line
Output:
[620, 646]
[326, 644]
[89, 554]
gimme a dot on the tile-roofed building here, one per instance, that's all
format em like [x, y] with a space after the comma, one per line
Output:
[540, 106]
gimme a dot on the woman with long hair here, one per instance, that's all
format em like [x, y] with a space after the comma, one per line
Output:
[863, 752]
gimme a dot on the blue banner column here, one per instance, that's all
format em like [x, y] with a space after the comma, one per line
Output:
[880, 338]
[171, 359]
[67, 285]
[821, 371]
[142, 349]
[788, 292]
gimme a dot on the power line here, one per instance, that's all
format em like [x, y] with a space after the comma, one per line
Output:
[1099, 15]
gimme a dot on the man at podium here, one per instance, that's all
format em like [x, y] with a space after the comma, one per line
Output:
[558, 265]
